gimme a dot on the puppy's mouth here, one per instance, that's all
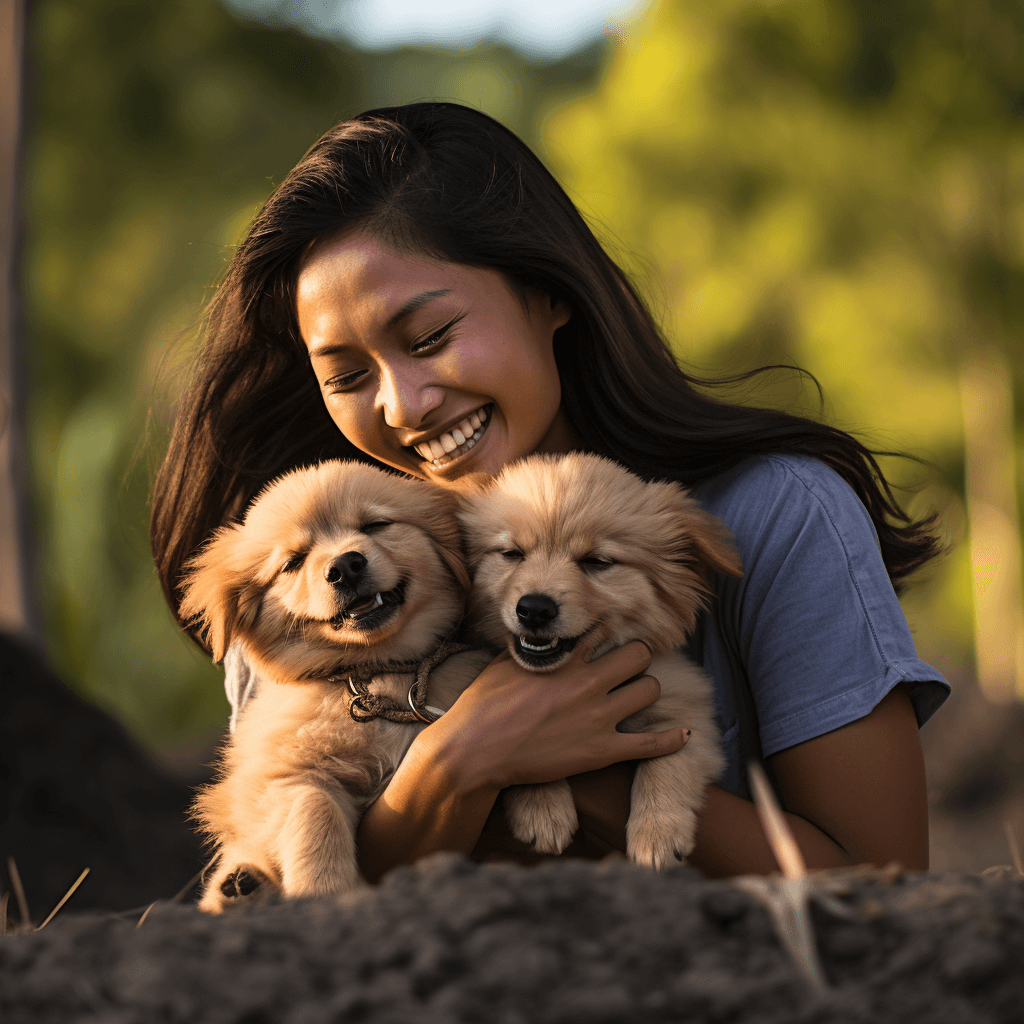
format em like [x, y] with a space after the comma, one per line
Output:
[543, 651]
[369, 611]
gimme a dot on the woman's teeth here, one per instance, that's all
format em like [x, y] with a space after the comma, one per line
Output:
[451, 445]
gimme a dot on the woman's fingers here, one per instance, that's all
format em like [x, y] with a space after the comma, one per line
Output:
[638, 746]
[633, 696]
[621, 663]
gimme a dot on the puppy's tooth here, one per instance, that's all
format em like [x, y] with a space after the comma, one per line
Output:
[460, 437]
[448, 443]
[435, 449]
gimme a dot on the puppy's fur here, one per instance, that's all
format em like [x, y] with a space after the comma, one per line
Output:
[296, 585]
[577, 551]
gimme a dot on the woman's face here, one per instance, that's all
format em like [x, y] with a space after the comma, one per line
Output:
[437, 369]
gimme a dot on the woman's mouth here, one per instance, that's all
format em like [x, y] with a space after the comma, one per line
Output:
[451, 444]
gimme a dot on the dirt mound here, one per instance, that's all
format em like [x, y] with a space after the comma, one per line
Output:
[572, 941]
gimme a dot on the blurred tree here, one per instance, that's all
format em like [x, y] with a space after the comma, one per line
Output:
[833, 183]
[157, 129]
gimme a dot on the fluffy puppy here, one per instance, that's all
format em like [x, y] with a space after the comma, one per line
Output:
[338, 572]
[576, 551]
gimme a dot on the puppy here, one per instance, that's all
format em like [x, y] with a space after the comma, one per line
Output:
[578, 552]
[341, 585]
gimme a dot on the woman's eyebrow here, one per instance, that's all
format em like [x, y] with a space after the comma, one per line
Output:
[406, 309]
[416, 302]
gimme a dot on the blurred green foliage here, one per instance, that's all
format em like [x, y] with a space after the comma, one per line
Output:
[837, 184]
[156, 130]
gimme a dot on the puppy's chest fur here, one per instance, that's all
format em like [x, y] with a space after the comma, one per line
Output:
[295, 728]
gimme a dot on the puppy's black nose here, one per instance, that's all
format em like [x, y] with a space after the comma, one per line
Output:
[535, 611]
[345, 569]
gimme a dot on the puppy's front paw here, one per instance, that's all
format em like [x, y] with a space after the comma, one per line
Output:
[242, 886]
[660, 839]
[542, 816]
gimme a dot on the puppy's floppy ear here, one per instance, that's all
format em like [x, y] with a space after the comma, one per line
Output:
[220, 590]
[435, 515]
[712, 545]
[697, 545]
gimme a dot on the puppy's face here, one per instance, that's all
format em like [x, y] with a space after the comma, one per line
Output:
[336, 562]
[577, 550]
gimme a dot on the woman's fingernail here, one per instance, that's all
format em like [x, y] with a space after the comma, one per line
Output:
[686, 733]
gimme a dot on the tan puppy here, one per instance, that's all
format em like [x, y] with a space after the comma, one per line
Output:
[578, 552]
[337, 570]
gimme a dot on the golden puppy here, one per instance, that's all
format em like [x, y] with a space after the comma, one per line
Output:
[578, 552]
[341, 586]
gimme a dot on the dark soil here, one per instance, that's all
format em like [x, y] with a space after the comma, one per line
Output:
[569, 942]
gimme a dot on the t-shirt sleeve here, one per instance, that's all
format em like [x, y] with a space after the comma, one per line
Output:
[820, 630]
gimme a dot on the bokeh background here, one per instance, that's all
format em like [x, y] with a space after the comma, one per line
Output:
[831, 184]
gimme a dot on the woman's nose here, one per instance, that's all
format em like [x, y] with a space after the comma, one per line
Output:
[407, 396]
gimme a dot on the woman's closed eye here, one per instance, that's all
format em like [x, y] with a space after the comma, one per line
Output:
[343, 381]
[437, 338]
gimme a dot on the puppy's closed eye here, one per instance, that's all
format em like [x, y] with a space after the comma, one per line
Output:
[295, 562]
[377, 524]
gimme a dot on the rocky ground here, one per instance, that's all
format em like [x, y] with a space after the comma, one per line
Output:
[451, 941]
[569, 942]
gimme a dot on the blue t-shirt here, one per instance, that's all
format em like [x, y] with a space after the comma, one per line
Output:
[812, 636]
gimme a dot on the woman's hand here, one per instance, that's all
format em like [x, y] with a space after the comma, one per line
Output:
[509, 727]
[513, 727]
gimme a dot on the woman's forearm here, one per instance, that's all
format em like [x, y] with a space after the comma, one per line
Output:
[731, 840]
[427, 807]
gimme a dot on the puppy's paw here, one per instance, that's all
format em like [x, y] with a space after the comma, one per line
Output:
[237, 888]
[660, 839]
[542, 816]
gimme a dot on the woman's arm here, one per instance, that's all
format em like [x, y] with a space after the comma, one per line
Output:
[854, 795]
[510, 727]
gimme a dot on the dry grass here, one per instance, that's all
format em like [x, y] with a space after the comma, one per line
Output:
[25, 924]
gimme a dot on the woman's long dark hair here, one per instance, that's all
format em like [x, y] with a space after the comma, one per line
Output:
[449, 182]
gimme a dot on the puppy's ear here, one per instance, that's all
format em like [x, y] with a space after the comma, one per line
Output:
[220, 592]
[436, 517]
[712, 545]
[698, 545]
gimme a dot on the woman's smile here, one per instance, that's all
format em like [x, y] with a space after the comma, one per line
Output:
[434, 368]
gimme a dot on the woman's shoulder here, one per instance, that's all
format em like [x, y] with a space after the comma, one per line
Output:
[779, 490]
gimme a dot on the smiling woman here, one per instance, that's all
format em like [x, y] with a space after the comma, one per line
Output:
[420, 294]
[438, 369]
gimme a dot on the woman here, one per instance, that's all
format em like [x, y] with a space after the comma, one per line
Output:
[420, 267]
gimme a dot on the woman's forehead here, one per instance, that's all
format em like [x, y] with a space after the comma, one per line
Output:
[357, 282]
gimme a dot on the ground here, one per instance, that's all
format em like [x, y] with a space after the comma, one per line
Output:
[569, 942]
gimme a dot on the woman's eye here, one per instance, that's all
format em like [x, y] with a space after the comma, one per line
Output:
[344, 380]
[513, 555]
[377, 524]
[433, 339]
[295, 562]
[593, 562]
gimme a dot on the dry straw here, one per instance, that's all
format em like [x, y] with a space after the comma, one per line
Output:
[786, 897]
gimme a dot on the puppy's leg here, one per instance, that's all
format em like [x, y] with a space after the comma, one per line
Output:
[542, 816]
[667, 794]
[238, 883]
[317, 846]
